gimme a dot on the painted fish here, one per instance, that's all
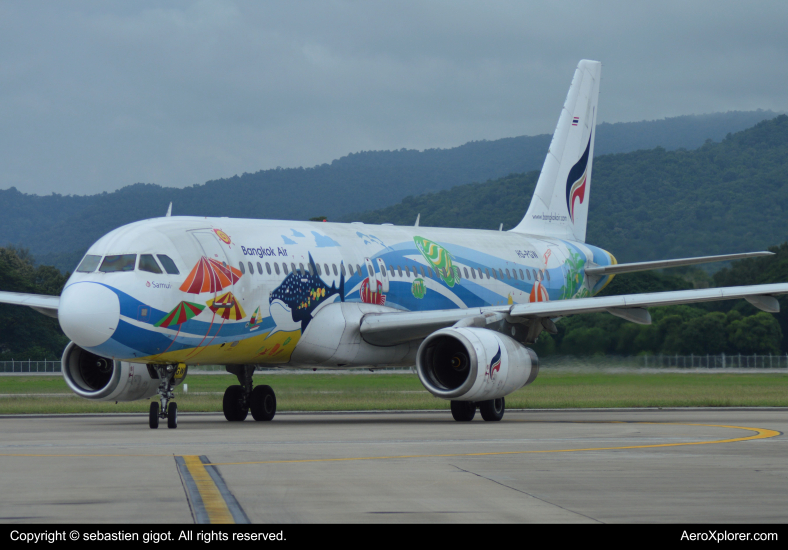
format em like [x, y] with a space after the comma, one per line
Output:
[440, 260]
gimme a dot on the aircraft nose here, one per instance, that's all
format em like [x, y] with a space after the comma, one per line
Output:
[88, 313]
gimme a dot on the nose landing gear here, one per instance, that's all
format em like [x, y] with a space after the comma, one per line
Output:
[240, 399]
[169, 408]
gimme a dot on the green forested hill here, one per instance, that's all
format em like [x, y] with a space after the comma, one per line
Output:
[25, 333]
[57, 229]
[722, 197]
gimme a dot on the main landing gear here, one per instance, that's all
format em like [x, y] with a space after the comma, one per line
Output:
[492, 410]
[169, 408]
[239, 400]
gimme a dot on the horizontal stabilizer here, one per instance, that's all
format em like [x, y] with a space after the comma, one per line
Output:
[598, 271]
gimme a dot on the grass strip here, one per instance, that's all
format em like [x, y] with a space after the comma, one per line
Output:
[332, 392]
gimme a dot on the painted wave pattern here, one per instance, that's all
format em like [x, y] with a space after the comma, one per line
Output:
[293, 301]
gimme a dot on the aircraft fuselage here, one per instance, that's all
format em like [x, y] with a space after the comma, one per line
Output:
[246, 291]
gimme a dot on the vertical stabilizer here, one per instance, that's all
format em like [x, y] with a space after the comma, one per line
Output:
[559, 207]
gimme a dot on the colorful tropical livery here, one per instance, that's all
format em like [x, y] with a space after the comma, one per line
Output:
[155, 297]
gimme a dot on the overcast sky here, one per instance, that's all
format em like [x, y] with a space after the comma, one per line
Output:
[98, 95]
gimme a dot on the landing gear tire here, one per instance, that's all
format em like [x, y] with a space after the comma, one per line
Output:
[262, 403]
[153, 417]
[492, 410]
[233, 404]
[463, 411]
[172, 415]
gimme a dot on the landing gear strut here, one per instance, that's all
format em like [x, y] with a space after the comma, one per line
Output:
[240, 399]
[169, 408]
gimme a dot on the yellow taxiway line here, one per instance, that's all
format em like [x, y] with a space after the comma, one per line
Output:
[760, 433]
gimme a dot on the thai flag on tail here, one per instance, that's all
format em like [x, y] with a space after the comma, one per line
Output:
[575, 121]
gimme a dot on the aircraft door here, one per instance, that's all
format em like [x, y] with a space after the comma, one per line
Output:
[373, 280]
[384, 276]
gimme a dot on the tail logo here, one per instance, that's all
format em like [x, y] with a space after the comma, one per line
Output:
[576, 181]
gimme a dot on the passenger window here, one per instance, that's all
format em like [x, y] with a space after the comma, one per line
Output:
[495, 275]
[294, 269]
[407, 271]
[301, 270]
[507, 274]
[548, 275]
[243, 271]
[318, 268]
[473, 273]
[456, 272]
[536, 276]
[465, 269]
[328, 271]
[148, 263]
[284, 268]
[358, 270]
[370, 271]
[276, 268]
[251, 268]
[383, 270]
[522, 277]
[429, 270]
[259, 268]
[268, 267]
[89, 264]
[121, 262]
[168, 264]
[399, 270]
[487, 270]
[334, 267]
[500, 272]
[350, 269]
[391, 268]
[514, 272]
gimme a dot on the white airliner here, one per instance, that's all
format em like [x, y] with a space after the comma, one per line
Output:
[154, 297]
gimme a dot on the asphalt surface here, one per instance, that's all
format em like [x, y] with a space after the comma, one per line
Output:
[686, 465]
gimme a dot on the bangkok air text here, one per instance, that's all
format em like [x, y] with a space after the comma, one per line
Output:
[261, 252]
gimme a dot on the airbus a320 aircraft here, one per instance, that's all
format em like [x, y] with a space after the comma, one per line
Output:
[154, 297]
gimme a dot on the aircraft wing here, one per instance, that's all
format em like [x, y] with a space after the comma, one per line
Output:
[42, 303]
[385, 329]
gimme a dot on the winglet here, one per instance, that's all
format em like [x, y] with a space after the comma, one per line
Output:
[169, 211]
[418, 217]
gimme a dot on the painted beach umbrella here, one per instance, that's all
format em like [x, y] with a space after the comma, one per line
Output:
[209, 275]
[227, 307]
[180, 314]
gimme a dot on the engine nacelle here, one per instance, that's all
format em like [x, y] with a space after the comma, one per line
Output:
[102, 379]
[474, 364]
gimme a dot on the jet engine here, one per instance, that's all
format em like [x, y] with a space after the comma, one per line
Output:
[103, 379]
[474, 364]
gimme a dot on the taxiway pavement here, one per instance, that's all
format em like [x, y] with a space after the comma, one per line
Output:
[684, 465]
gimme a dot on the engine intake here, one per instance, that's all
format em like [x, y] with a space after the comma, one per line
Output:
[474, 364]
[103, 379]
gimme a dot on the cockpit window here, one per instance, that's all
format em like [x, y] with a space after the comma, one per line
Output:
[121, 262]
[89, 264]
[168, 264]
[148, 263]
